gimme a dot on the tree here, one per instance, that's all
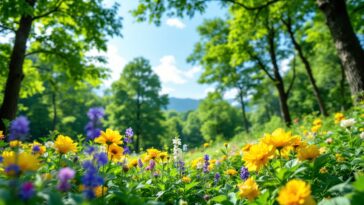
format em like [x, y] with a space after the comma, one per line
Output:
[135, 102]
[347, 44]
[57, 29]
[214, 54]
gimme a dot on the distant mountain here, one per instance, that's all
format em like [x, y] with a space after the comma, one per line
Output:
[182, 104]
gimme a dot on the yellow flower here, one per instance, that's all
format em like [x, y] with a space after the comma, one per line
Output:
[258, 156]
[296, 141]
[226, 145]
[309, 152]
[163, 155]
[115, 152]
[25, 161]
[65, 144]
[231, 172]
[15, 143]
[109, 137]
[100, 191]
[197, 163]
[279, 138]
[186, 179]
[296, 192]
[286, 151]
[46, 176]
[338, 117]
[339, 158]
[317, 122]
[315, 128]
[206, 145]
[133, 163]
[1, 135]
[153, 153]
[246, 147]
[248, 189]
[322, 150]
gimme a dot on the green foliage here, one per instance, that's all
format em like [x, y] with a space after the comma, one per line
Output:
[135, 102]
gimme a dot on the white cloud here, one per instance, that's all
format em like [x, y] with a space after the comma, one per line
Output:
[209, 90]
[231, 94]
[166, 90]
[174, 22]
[115, 63]
[285, 65]
[168, 71]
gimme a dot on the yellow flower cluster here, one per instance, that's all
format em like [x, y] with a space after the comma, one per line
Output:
[24, 160]
[65, 144]
[2, 136]
[339, 117]
[231, 172]
[248, 189]
[109, 137]
[296, 192]
[317, 124]
[186, 179]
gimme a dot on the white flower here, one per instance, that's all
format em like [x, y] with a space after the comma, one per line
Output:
[49, 144]
[328, 140]
[362, 135]
[347, 123]
[185, 148]
[176, 141]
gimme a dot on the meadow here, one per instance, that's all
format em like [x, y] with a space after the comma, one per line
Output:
[316, 161]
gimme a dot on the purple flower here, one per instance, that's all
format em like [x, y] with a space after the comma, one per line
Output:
[140, 163]
[126, 150]
[217, 177]
[64, 175]
[181, 166]
[1, 159]
[151, 165]
[90, 149]
[12, 169]
[27, 190]
[96, 113]
[19, 128]
[101, 158]
[129, 132]
[36, 149]
[244, 173]
[206, 165]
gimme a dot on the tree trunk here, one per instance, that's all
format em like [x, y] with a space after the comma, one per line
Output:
[346, 42]
[15, 76]
[342, 87]
[242, 103]
[54, 110]
[308, 68]
[283, 97]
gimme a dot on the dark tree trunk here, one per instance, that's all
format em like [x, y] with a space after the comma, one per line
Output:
[242, 103]
[54, 111]
[308, 68]
[342, 87]
[138, 121]
[346, 42]
[283, 97]
[15, 76]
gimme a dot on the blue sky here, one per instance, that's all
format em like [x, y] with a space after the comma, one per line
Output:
[166, 46]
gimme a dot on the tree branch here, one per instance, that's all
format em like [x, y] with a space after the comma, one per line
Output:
[55, 9]
[261, 65]
[3, 28]
[294, 76]
[260, 7]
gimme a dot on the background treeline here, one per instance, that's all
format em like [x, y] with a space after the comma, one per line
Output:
[284, 58]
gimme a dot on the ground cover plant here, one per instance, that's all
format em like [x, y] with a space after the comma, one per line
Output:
[317, 161]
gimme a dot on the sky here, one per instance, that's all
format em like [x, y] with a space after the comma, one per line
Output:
[167, 47]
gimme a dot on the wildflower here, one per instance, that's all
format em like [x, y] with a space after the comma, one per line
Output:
[323, 170]
[339, 158]
[309, 152]
[64, 175]
[197, 163]
[231, 172]
[109, 137]
[217, 177]
[226, 145]
[315, 128]
[322, 150]
[96, 113]
[296, 192]
[38, 148]
[151, 165]
[317, 122]
[90, 179]
[246, 147]
[347, 123]
[244, 173]
[185, 148]
[115, 152]
[163, 155]
[101, 158]
[206, 165]
[46, 176]
[24, 161]
[258, 156]
[92, 128]
[12, 170]
[133, 163]
[181, 167]
[279, 138]
[339, 117]
[140, 163]
[19, 128]
[206, 145]
[129, 134]
[153, 153]
[90, 149]
[65, 144]
[49, 144]
[27, 190]
[328, 140]
[126, 150]
[177, 152]
[15, 143]
[100, 191]
[186, 179]
[2, 136]
[248, 189]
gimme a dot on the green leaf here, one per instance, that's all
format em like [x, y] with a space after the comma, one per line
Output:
[359, 184]
[191, 185]
[335, 201]
[219, 199]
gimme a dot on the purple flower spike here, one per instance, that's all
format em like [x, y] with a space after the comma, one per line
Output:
[19, 128]
[244, 173]
[27, 191]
